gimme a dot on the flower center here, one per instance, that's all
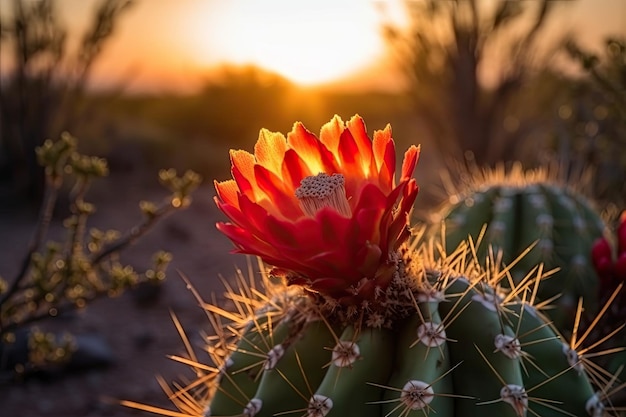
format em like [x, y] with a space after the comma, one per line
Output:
[323, 190]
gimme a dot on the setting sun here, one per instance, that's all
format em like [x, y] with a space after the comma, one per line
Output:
[177, 45]
[307, 42]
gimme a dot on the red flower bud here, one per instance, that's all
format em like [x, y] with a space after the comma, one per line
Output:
[620, 268]
[621, 234]
[600, 251]
[604, 269]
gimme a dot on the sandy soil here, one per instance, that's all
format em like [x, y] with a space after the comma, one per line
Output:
[140, 337]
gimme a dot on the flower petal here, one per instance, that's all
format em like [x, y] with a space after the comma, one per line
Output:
[385, 157]
[282, 200]
[294, 169]
[270, 149]
[244, 240]
[348, 152]
[369, 259]
[227, 191]
[316, 156]
[331, 132]
[233, 213]
[243, 171]
[409, 162]
[356, 125]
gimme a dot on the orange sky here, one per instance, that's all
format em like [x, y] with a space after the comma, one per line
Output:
[307, 41]
[171, 44]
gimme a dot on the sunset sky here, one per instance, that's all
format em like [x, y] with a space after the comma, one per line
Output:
[172, 44]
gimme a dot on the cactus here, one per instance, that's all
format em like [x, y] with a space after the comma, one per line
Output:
[521, 209]
[358, 319]
[460, 345]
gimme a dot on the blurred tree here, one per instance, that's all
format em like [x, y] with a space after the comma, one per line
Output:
[44, 90]
[246, 98]
[591, 127]
[450, 49]
[230, 107]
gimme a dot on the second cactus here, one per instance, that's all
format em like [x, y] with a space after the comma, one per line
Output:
[523, 210]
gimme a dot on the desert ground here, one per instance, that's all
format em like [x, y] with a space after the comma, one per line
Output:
[139, 337]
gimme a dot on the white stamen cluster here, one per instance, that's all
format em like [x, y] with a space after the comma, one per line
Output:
[516, 396]
[546, 247]
[319, 406]
[488, 300]
[345, 353]
[430, 295]
[508, 345]
[431, 334]
[545, 222]
[417, 394]
[537, 201]
[579, 224]
[273, 356]
[594, 406]
[497, 229]
[503, 205]
[573, 358]
[253, 407]
[323, 190]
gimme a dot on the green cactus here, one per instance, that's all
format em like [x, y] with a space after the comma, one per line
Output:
[522, 210]
[358, 320]
[458, 344]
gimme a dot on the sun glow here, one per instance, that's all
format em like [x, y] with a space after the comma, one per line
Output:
[175, 45]
[309, 42]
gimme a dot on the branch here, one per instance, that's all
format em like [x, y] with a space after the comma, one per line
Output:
[134, 234]
[45, 215]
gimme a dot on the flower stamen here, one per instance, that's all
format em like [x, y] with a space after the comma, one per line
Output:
[323, 190]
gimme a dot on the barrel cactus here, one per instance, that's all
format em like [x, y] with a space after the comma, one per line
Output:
[461, 346]
[535, 215]
[356, 317]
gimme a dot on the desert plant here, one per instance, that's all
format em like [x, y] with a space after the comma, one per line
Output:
[515, 211]
[467, 65]
[356, 319]
[591, 127]
[43, 92]
[56, 277]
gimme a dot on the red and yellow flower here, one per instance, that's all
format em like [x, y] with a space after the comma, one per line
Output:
[327, 213]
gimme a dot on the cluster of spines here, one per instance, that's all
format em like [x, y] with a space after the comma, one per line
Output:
[290, 360]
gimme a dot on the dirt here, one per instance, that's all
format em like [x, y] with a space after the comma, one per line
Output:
[140, 337]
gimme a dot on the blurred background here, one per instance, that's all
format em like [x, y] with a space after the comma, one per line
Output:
[152, 84]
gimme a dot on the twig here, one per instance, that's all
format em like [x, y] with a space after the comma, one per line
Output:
[45, 215]
[134, 234]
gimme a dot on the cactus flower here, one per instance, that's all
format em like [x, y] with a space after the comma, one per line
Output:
[326, 213]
